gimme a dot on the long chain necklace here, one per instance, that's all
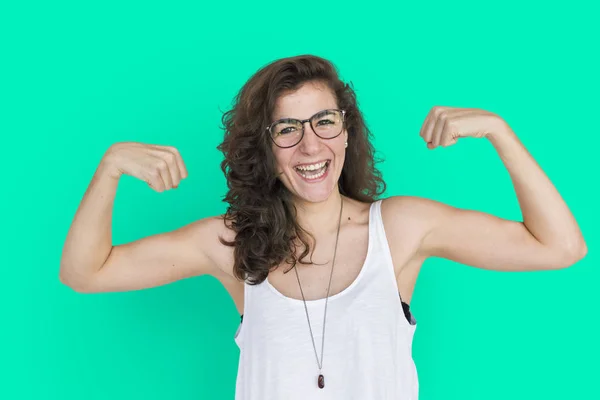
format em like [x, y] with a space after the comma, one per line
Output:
[321, 379]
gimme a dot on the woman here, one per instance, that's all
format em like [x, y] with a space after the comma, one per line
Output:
[321, 269]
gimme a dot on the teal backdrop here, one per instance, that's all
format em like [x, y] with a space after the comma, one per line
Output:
[79, 76]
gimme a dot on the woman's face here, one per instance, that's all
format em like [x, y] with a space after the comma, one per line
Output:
[308, 183]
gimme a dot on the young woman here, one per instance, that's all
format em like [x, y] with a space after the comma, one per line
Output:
[320, 268]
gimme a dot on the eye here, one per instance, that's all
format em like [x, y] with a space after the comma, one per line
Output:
[289, 129]
[325, 122]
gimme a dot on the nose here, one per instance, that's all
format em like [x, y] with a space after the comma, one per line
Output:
[310, 143]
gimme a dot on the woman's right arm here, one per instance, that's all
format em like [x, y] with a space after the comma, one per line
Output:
[91, 263]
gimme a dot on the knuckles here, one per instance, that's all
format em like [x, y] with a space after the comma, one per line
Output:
[160, 165]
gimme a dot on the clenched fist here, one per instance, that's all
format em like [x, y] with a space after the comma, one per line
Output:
[160, 166]
[443, 126]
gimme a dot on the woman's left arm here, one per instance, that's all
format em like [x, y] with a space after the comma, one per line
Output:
[547, 238]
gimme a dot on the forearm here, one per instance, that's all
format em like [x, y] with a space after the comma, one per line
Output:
[545, 214]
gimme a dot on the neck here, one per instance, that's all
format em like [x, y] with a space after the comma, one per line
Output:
[319, 217]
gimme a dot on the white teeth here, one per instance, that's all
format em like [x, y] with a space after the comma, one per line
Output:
[312, 167]
[313, 176]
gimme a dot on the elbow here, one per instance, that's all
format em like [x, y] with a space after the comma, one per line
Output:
[68, 282]
[572, 254]
[79, 285]
[581, 251]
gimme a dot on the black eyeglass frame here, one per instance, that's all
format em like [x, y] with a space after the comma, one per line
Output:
[302, 122]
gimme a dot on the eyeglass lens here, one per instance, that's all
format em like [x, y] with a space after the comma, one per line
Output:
[326, 124]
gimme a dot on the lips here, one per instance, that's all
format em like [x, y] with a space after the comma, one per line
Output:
[313, 172]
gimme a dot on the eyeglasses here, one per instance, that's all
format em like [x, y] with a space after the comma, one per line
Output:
[288, 132]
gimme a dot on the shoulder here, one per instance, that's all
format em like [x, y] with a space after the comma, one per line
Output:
[211, 228]
[410, 209]
[207, 234]
[408, 220]
[419, 208]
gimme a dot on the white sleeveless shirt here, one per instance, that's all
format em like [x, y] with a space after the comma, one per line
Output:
[368, 340]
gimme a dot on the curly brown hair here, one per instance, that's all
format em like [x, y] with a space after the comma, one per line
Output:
[261, 211]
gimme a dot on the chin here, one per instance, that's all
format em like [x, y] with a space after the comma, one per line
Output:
[313, 196]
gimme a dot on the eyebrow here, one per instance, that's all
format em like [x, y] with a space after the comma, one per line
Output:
[317, 115]
[286, 120]
[322, 113]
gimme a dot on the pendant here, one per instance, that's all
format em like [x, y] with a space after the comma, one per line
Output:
[321, 381]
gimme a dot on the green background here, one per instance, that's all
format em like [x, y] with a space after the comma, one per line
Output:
[79, 76]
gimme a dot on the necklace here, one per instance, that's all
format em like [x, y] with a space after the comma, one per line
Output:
[321, 379]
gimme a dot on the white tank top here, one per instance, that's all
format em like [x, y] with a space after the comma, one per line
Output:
[368, 339]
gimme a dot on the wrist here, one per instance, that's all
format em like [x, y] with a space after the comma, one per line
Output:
[107, 167]
[500, 131]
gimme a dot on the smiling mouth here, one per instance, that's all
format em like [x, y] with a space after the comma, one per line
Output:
[313, 172]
